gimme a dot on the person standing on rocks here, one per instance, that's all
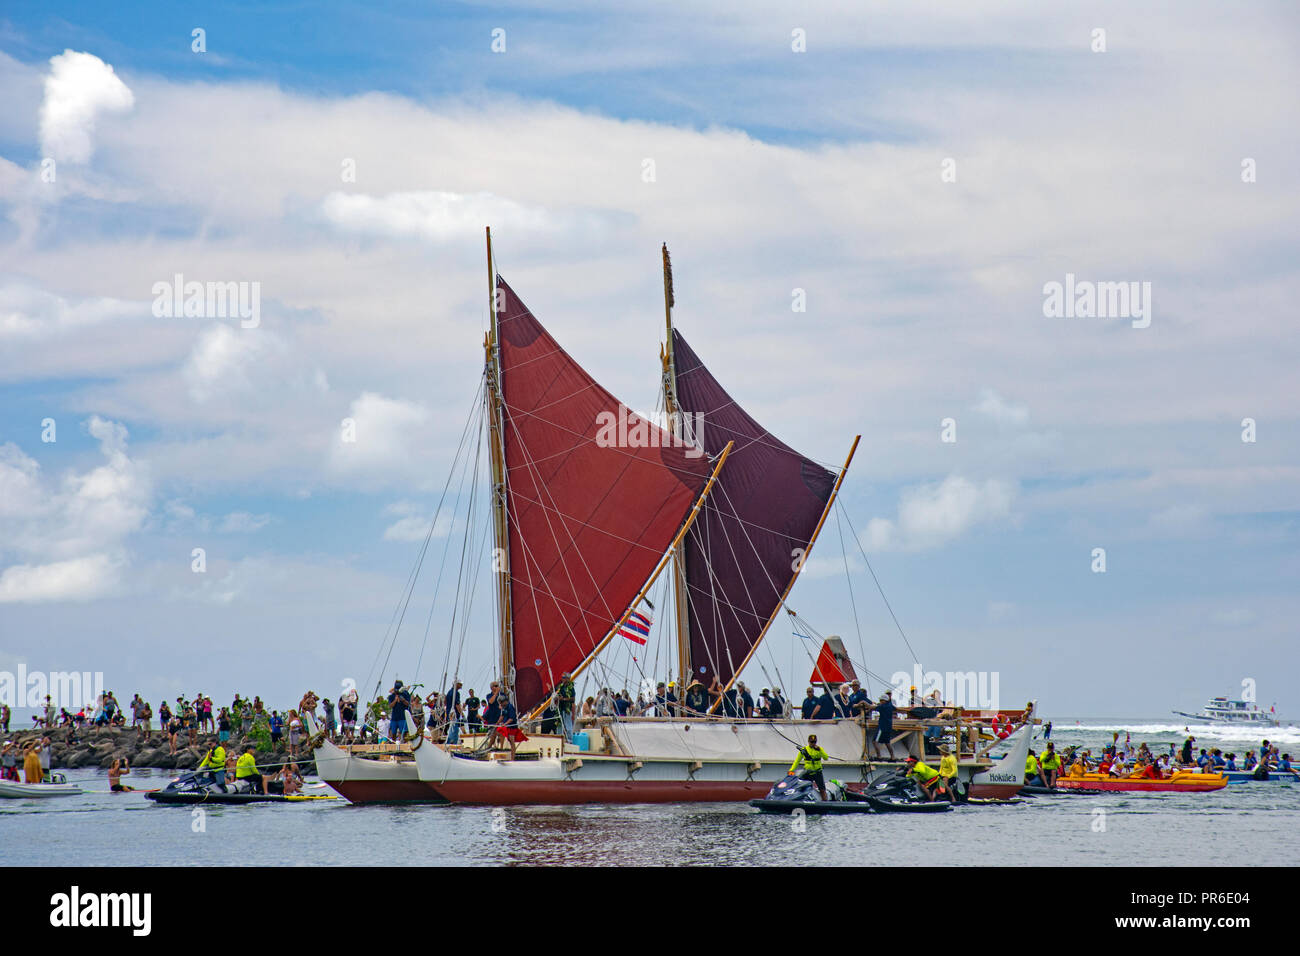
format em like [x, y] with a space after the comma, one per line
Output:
[329, 719]
[146, 717]
[173, 728]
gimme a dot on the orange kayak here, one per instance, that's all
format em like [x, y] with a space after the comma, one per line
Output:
[1181, 781]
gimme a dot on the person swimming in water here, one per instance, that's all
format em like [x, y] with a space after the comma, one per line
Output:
[121, 765]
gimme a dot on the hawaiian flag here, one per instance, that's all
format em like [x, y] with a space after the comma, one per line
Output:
[637, 627]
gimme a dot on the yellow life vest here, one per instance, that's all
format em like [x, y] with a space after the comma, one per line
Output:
[214, 759]
[1051, 760]
[245, 766]
[948, 766]
[924, 771]
[1031, 766]
[810, 757]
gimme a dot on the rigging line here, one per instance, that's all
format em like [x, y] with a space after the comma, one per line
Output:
[586, 524]
[540, 483]
[573, 547]
[410, 582]
[460, 571]
[475, 418]
[816, 635]
[753, 606]
[469, 522]
[853, 532]
[586, 439]
[862, 647]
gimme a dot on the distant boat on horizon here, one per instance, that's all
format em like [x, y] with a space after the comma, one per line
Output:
[1221, 710]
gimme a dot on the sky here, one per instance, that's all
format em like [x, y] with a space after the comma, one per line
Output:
[916, 175]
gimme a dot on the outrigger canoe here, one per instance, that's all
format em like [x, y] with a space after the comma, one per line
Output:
[1181, 781]
[1274, 776]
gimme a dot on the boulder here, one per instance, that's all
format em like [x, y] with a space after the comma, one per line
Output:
[186, 760]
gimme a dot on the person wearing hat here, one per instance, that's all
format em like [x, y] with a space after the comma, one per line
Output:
[1051, 764]
[947, 773]
[926, 776]
[812, 757]
[885, 723]
[399, 702]
[566, 696]
[859, 702]
[697, 700]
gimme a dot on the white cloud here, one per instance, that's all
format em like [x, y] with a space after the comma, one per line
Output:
[75, 528]
[433, 215]
[416, 527]
[242, 522]
[994, 406]
[385, 431]
[79, 88]
[77, 579]
[934, 514]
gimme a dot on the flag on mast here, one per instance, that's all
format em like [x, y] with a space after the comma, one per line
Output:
[637, 627]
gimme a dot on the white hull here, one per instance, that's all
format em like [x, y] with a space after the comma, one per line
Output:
[368, 780]
[9, 788]
[664, 762]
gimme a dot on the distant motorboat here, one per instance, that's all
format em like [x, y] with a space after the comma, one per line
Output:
[58, 787]
[1221, 710]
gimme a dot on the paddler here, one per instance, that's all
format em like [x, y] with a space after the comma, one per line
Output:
[925, 775]
[1051, 764]
[214, 762]
[1032, 770]
[812, 758]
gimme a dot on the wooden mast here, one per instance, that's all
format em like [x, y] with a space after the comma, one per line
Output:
[496, 427]
[804, 560]
[672, 411]
[663, 562]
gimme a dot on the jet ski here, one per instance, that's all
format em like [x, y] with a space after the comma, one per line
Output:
[197, 787]
[884, 792]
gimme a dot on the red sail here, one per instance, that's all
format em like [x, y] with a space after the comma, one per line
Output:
[591, 508]
[742, 550]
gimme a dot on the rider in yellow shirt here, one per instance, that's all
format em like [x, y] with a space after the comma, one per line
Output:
[925, 775]
[812, 758]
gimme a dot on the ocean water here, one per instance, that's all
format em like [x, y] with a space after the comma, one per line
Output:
[1245, 824]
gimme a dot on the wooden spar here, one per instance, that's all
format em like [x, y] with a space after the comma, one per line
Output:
[808, 550]
[501, 536]
[663, 562]
[685, 670]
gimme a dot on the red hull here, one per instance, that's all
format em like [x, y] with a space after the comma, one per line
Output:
[994, 791]
[518, 792]
[386, 791]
